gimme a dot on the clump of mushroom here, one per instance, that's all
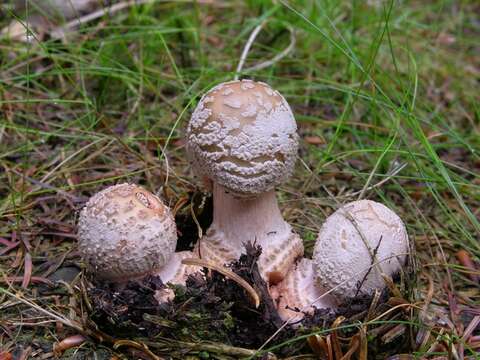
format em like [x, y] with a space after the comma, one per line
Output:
[126, 233]
[242, 138]
[357, 246]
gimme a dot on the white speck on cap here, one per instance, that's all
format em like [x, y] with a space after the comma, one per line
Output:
[341, 258]
[125, 232]
[243, 135]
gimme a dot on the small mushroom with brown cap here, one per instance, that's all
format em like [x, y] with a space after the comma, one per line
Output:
[242, 137]
[358, 245]
[126, 233]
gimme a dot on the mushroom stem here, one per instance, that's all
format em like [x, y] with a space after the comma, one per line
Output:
[299, 293]
[175, 271]
[246, 219]
[238, 220]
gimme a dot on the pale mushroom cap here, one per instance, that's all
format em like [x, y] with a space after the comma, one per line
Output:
[125, 232]
[341, 258]
[243, 135]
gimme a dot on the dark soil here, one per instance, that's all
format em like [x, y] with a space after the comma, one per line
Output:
[214, 308]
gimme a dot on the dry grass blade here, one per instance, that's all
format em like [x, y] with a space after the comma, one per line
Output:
[71, 323]
[228, 273]
[354, 344]
[68, 343]
[363, 350]
[28, 268]
[330, 347]
[393, 333]
[212, 347]
[138, 346]
[318, 345]
[465, 260]
[373, 305]
[471, 328]
[335, 340]
[392, 286]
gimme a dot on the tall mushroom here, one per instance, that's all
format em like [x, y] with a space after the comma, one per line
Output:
[126, 233]
[357, 246]
[242, 137]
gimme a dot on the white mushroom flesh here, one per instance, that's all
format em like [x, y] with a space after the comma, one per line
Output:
[356, 245]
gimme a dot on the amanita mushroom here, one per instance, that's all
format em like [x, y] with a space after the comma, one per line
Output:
[126, 233]
[242, 137]
[357, 246]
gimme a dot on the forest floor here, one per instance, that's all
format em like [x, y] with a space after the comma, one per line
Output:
[386, 96]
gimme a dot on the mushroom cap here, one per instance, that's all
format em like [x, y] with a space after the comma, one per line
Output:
[342, 258]
[126, 232]
[243, 135]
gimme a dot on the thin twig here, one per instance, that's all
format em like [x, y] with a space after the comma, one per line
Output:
[277, 57]
[71, 323]
[247, 47]
[43, 185]
[266, 63]
[208, 346]
[71, 156]
[375, 251]
[366, 188]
